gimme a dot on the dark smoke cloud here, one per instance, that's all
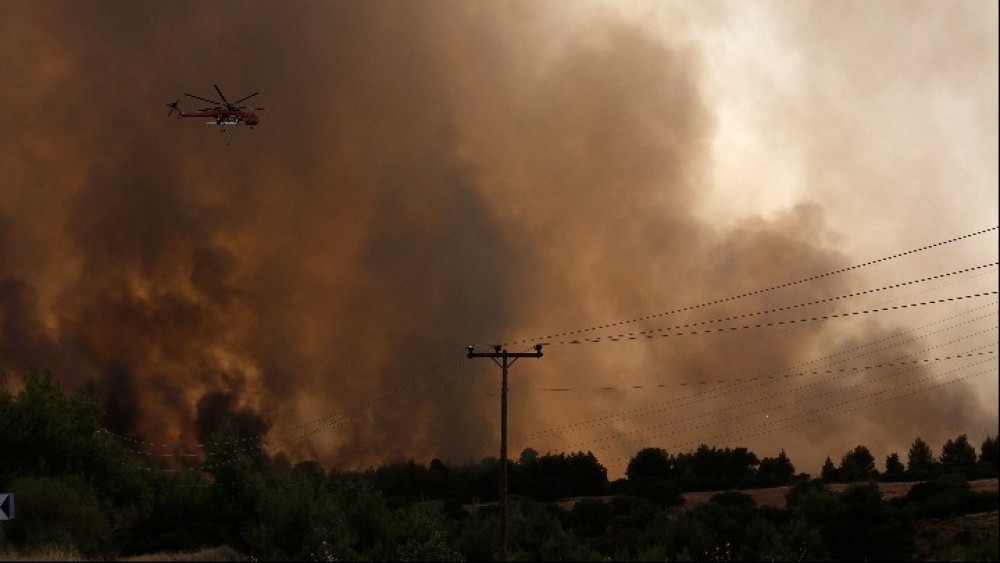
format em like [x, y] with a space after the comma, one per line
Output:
[427, 175]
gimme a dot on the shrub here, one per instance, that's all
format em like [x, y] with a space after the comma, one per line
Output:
[59, 513]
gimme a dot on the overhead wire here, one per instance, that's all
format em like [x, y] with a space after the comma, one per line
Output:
[757, 382]
[733, 386]
[662, 332]
[765, 379]
[817, 301]
[620, 441]
[842, 374]
[754, 292]
[811, 417]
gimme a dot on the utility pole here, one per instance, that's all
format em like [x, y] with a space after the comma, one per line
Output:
[506, 359]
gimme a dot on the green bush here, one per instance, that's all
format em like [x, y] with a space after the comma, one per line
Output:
[985, 550]
[59, 513]
[948, 495]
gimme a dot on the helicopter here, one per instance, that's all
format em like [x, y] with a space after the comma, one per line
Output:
[223, 113]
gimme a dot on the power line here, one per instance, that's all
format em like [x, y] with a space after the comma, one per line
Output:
[752, 293]
[909, 367]
[843, 373]
[772, 376]
[811, 418]
[829, 371]
[828, 299]
[661, 332]
[749, 432]
[331, 421]
[810, 415]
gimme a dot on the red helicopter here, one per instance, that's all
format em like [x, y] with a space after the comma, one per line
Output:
[224, 113]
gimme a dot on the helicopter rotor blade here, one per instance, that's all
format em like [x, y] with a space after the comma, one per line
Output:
[245, 98]
[213, 102]
[221, 95]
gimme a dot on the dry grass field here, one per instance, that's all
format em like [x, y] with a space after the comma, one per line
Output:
[776, 496]
[44, 555]
[937, 536]
[222, 553]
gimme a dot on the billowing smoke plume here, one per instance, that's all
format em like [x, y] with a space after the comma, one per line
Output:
[426, 176]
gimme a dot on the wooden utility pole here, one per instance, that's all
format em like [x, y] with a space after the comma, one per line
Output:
[504, 359]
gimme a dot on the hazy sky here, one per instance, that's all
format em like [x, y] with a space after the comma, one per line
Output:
[429, 175]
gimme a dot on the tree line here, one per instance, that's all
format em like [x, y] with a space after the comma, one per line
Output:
[80, 489]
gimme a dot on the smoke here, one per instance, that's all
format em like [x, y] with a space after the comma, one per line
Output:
[426, 176]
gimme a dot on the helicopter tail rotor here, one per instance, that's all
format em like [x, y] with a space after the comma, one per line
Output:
[173, 107]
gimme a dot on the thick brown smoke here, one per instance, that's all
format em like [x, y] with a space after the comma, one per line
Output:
[427, 175]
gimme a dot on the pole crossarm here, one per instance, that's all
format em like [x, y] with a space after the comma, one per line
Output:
[500, 352]
[506, 359]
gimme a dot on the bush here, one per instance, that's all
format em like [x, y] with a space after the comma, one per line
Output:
[662, 492]
[867, 528]
[948, 495]
[734, 499]
[985, 550]
[59, 513]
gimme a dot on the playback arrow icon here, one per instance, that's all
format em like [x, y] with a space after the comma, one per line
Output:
[6, 506]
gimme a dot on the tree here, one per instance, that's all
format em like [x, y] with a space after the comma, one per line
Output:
[294, 516]
[184, 514]
[893, 466]
[45, 432]
[528, 455]
[438, 479]
[775, 471]
[627, 517]
[813, 507]
[921, 458]
[708, 469]
[867, 528]
[553, 476]
[649, 463]
[401, 481]
[48, 433]
[958, 454]
[367, 515]
[989, 455]
[649, 477]
[474, 482]
[535, 533]
[425, 534]
[857, 464]
[829, 472]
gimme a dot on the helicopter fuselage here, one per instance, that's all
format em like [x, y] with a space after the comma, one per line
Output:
[223, 113]
[225, 117]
